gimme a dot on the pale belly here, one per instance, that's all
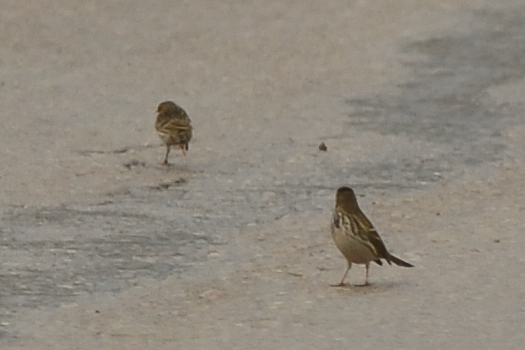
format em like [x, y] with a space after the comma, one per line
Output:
[164, 137]
[353, 250]
[169, 140]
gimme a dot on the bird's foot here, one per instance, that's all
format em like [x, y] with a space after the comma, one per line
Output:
[366, 284]
[340, 285]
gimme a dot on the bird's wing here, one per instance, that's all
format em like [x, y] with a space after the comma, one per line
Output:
[362, 229]
[174, 125]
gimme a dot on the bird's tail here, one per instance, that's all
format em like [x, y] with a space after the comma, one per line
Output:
[399, 262]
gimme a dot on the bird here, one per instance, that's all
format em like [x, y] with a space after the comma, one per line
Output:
[173, 126]
[355, 236]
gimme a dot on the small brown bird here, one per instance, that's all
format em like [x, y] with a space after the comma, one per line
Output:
[355, 236]
[173, 126]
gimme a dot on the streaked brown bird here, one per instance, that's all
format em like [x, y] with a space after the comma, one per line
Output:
[173, 126]
[355, 236]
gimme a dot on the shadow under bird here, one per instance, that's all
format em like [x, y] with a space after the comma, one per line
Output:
[355, 236]
[173, 126]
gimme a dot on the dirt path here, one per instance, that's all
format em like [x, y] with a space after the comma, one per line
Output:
[419, 104]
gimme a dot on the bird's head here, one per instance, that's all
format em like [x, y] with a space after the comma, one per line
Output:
[345, 198]
[166, 106]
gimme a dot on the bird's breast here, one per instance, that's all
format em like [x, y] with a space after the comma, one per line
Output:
[353, 249]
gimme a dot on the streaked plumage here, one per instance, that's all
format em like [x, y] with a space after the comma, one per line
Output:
[173, 126]
[355, 236]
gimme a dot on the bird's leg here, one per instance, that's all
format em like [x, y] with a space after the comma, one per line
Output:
[367, 267]
[166, 158]
[342, 283]
[183, 148]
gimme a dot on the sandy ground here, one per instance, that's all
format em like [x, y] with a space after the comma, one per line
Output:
[419, 102]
